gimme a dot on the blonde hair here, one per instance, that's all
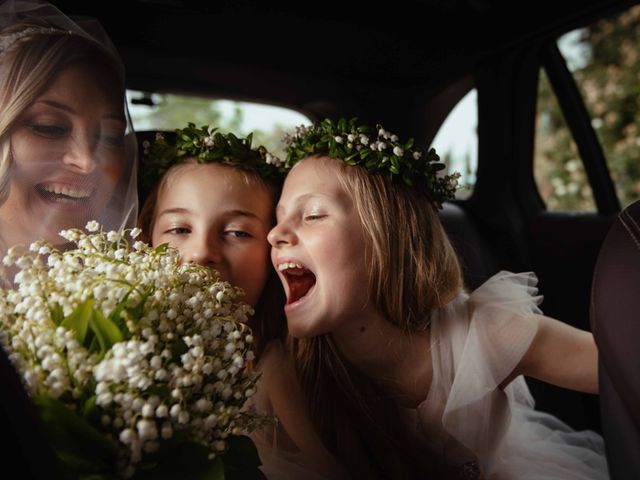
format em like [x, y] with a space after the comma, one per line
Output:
[413, 267]
[268, 322]
[412, 270]
[30, 64]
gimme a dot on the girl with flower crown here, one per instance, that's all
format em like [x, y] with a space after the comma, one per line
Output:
[215, 203]
[405, 374]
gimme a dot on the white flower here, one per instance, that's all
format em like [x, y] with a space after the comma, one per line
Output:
[142, 390]
[398, 151]
[338, 139]
[92, 226]
[417, 155]
[135, 232]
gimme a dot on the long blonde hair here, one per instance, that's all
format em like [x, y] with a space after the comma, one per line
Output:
[29, 65]
[412, 270]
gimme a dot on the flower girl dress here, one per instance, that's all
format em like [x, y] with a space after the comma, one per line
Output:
[476, 342]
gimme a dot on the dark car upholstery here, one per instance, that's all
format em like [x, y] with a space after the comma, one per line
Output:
[615, 322]
[474, 250]
[25, 450]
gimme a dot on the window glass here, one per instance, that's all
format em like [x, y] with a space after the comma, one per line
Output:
[169, 111]
[457, 142]
[605, 61]
[558, 170]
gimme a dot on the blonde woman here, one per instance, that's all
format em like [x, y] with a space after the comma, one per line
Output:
[67, 149]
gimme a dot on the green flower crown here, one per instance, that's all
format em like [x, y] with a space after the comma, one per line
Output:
[377, 150]
[207, 145]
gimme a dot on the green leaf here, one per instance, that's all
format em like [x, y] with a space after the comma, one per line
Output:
[80, 447]
[115, 315]
[94, 344]
[162, 248]
[78, 320]
[91, 412]
[57, 313]
[106, 331]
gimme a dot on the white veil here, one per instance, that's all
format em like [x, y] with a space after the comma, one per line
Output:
[68, 151]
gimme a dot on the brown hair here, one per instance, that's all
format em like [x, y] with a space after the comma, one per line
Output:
[268, 322]
[413, 270]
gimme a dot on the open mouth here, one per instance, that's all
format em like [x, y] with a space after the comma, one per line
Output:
[299, 278]
[64, 193]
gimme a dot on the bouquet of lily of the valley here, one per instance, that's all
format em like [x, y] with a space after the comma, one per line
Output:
[139, 367]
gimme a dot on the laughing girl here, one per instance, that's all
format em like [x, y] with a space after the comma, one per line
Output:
[404, 373]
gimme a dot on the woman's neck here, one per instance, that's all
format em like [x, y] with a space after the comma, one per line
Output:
[396, 360]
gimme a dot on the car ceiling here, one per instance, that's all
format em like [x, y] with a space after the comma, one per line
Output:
[300, 53]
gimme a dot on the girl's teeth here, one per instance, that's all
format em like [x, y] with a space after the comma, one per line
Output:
[67, 191]
[287, 265]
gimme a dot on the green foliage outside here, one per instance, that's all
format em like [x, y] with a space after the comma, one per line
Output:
[608, 77]
[175, 111]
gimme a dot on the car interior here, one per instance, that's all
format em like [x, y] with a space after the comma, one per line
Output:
[407, 65]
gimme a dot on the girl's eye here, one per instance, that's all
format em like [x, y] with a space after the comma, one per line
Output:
[49, 131]
[237, 233]
[178, 231]
[314, 217]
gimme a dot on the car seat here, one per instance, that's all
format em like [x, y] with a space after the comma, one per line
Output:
[615, 322]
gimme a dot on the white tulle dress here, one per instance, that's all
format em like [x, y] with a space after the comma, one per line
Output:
[476, 342]
[490, 433]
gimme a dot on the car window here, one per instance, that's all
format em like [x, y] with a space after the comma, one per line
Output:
[457, 142]
[154, 111]
[604, 58]
[558, 170]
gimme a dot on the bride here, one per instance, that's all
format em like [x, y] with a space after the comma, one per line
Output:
[67, 149]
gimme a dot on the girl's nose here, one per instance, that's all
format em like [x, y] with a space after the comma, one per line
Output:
[80, 156]
[203, 252]
[280, 235]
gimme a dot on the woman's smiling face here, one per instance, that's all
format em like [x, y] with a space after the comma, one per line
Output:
[67, 151]
[318, 250]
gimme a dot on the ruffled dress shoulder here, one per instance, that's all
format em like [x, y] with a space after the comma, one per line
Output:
[476, 342]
